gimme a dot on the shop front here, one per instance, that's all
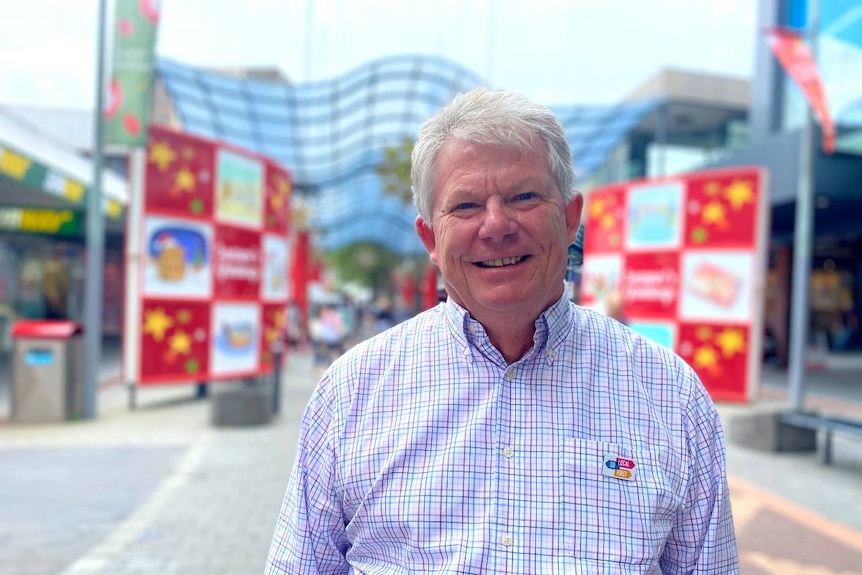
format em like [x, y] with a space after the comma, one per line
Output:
[43, 192]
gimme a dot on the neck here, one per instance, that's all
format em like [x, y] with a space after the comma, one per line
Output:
[512, 341]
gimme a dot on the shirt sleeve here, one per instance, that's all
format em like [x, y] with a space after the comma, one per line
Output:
[310, 533]
[703, 540]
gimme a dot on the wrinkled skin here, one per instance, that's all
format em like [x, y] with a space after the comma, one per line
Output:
[500, 234]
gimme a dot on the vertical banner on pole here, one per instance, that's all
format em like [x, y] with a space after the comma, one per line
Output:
[128, 106]
[799, 63]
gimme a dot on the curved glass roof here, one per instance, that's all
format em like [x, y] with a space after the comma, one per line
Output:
[331, 134]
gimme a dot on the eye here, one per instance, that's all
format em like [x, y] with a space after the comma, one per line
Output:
[522, 197]
[464, 206]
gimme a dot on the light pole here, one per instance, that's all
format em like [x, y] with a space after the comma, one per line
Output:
[95, 242]
[802, 240]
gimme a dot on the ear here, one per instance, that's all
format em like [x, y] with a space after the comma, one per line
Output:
[426, 234]
[573, 215]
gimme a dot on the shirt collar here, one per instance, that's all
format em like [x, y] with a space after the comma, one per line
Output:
[552, 327]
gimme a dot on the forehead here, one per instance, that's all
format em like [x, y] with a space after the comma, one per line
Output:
[460, 160]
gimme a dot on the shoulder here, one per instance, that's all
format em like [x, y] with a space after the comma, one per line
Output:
[622, 350]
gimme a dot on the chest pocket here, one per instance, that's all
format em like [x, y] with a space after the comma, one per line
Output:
[611, 522]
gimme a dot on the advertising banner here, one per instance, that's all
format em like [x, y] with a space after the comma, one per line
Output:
[127, 111]
[798, 62]
[686, 257]
[215, 260]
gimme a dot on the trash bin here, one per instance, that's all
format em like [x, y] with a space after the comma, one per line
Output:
[47, 371]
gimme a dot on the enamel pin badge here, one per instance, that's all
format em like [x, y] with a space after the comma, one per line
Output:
[618, 467]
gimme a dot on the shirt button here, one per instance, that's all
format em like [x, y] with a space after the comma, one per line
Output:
[510, 375]
[472, 329]
[508, 452]
[549, 353]
[506, 540]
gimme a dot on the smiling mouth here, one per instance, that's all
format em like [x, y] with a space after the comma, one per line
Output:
[501, 262]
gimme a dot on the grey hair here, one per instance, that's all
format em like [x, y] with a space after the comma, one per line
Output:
[489, 117]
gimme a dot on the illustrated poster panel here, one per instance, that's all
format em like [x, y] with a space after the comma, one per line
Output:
[722, 210]
[650, 286]
[719, 355]
[663, 333]
[276, 263]
[273, 332]
[601, 277]
[177, 258]
[235, 338]
[236, 263]
[655, 216]
[179, 174]
[277, 206]
[174, 341]
[239, 190]
[605, 222]
[717, 286]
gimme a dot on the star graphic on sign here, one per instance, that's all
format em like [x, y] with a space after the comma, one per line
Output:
[714, 213]
[731, 341]
[703, 333]
[597, 208]
[162, 155]
[188, 153]
[185, 180]
[706, 357]
[608, 221]
[156, 323]
[271, 335]
[180, 343]
[738, 194]
[277, 201]
[712, 188]
[184, 316]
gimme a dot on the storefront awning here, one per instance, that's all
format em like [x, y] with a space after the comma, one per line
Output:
[35, 165]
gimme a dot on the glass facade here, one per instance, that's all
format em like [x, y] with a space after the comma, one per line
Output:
[332, 134]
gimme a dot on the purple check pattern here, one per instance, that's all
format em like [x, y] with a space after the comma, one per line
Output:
[422, 451]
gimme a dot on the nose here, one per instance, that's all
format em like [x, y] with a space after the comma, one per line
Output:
[498, 220]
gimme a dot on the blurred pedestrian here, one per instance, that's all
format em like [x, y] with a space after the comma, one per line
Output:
[506, 430]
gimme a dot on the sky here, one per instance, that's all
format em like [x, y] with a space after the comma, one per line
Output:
[555, 51]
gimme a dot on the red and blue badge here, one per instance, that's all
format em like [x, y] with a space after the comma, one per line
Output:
[619, 467]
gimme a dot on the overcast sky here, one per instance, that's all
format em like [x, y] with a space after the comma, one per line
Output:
[557, 51]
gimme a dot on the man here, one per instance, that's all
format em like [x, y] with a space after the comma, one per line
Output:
[505, 430]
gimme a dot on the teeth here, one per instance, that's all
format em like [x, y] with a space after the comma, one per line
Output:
[502, 262]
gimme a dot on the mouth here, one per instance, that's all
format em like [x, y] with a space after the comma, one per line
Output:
[501, 262]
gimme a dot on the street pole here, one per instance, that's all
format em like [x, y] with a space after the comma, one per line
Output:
[95, 243]
[802, 242]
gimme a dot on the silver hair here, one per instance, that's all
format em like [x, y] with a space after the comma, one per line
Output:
[489, 117]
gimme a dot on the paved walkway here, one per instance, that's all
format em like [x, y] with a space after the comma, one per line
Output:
[159, 490]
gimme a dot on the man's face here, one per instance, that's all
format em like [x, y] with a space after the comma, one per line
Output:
[501, 230]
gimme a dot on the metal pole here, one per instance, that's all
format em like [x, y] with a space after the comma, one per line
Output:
[802, 242]
[277, 358]
[95, 238]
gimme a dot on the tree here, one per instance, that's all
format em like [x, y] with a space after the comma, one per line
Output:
[366, 263]
[394, 170]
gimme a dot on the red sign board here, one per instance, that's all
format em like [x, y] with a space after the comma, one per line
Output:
[686, 257]
[215, 262]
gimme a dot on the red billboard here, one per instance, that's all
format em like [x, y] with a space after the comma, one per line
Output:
[686, 256]
[215, 260]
